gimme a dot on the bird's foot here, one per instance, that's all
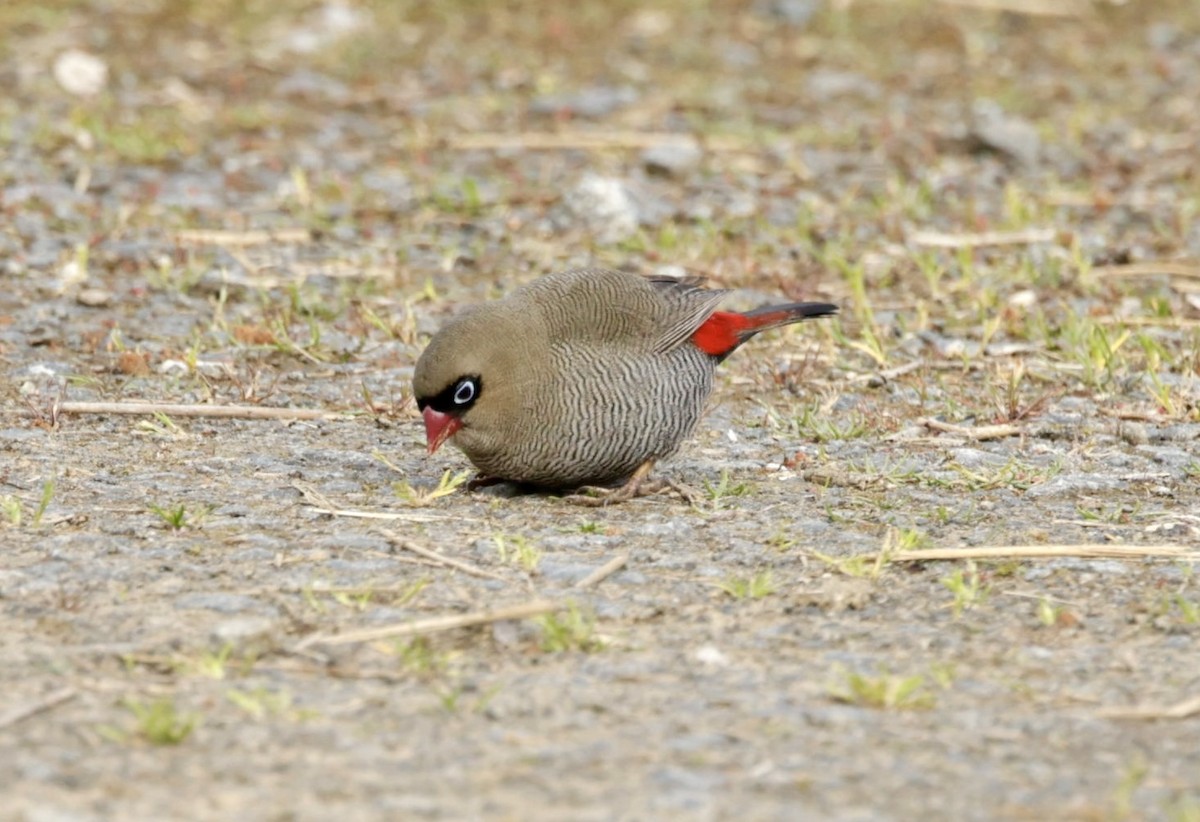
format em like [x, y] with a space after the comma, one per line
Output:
[669, 486]
[636, 486]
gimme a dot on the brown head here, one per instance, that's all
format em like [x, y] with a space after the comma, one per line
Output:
[471, 375]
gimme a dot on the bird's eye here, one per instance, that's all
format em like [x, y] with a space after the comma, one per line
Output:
[465, 392]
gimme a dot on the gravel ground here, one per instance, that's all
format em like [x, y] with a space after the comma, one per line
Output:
[298, 615]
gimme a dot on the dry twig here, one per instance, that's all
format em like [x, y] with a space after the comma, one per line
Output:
[938, 239]
[603, 572]
[1087, 551]
[577, 141]
[245, 412]
[449, 562]
[1190, 271]
[200, 236]
[978, 432]
[1180, 710]
[1030, 8]
[45, 703]
[433, 625]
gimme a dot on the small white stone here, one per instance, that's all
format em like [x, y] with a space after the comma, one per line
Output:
[72, 272]
[173, 367]
[606, 206]
[94, 297]
[712, 656]
[80, 73]
[1026, 298]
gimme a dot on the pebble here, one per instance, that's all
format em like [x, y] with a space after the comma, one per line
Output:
[94, 297]
[240, 630]
[606, 206]
[592, 102]
[1133, 433]
[995, 129]
[792, 12]
[1065, 484]
[824, 86]
[673, 159]
[222, 603]
[80, 73]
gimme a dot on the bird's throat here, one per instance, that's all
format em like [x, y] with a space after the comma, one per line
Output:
[439, 427]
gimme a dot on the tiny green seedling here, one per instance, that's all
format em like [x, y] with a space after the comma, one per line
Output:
[967, 587]
[159, 722]
[420, 658]
[10, 507]
[1135, 774]
[1185, 808]
[726, 488]
[1188, 611]
[885, 690]
[262, 702]
[355, 600]
[517, 550]
[867, 566]
[43, 502]
[572, 631]
[213, 664]
[758, 586]
[904, 539]
[418, 498]
[1048, 613]
[174, 518]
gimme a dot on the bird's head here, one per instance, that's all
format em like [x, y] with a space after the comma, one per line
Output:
[467, 375]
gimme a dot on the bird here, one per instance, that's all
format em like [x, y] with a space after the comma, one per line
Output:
[584, 378]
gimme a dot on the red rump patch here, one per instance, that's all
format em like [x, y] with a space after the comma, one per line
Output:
[721, 333]
[726, 330]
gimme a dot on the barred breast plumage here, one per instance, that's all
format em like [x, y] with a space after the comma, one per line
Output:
[583, 376]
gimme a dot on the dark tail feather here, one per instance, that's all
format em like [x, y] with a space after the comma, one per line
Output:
[773, 316]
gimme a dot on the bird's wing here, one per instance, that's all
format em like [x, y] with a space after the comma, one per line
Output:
[689, 306]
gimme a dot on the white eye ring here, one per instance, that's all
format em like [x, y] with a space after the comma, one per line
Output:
[465, 392]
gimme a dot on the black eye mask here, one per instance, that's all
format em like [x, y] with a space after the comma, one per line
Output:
[456, 398]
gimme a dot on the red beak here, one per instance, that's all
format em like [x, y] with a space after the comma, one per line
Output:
[439, 427]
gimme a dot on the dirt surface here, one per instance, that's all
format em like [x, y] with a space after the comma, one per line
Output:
[272, 206]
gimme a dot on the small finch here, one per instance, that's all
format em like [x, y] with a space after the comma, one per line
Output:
[586, 377]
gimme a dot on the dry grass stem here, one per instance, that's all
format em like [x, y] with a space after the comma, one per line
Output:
[244, 412]
[978, 432]
[241, 239]
[1030, 8]
[45, 703]
[1189, 271]
[603, 572]
[449, 562]
[434, 625]
[323, 505]
[1180, 710]
[938, 239]
[1092, 551]
[578, 141]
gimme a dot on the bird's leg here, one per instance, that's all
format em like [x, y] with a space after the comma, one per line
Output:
[635, 486]
[482, 480]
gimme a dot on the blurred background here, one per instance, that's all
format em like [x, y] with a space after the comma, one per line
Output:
[960, 159]
[416, 126]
